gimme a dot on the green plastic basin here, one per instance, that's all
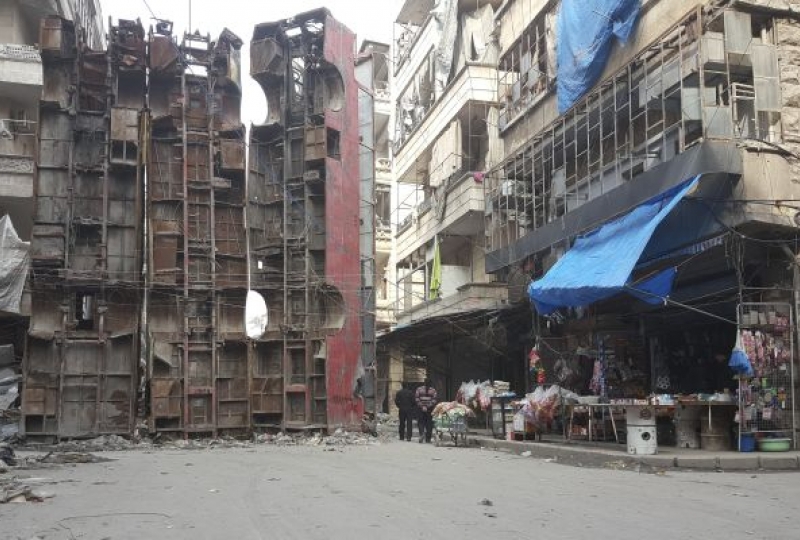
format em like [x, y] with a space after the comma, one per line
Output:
[774, 445]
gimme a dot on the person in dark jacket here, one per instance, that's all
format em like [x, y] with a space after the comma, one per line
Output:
[404, 399]
[425, 398]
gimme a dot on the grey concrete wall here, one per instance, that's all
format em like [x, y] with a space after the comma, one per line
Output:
[788, 35]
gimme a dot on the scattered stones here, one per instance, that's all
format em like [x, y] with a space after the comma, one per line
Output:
[486, 502]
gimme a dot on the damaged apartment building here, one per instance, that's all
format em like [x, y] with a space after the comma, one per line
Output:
[446, 108]
[150, 228]
[515, 141]
[685, 112]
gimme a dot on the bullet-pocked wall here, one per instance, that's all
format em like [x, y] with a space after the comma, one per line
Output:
[303, 224]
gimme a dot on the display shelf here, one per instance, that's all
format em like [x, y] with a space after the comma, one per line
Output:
[766, 400]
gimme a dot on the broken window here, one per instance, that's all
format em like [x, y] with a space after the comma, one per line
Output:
[334, 141]
[528, 70]
[383, 205]
[84, 311]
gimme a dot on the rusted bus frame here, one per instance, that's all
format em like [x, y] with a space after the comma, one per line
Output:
[107, 336]
[203, 134]
[297, 351]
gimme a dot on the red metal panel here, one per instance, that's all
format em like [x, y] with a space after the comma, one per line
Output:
[343, 259]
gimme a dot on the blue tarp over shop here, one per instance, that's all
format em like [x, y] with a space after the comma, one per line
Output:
[601, 262]
[585, 32]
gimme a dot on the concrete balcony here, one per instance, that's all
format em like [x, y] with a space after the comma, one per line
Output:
[476, 84]
[469, 297]
[383, 166]
[16, 192]
[383, 99]
[462, 215]
[20, 73]
[384, 313]
[383, 240]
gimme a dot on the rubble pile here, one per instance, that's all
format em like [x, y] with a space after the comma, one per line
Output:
[387, 425]
[104, 443]
[16, 490]
[9, 393]
[339, 438]
[115, 443]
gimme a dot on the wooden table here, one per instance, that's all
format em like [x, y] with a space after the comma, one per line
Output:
[592, 407]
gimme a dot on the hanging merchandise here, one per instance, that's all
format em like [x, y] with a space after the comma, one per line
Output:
[596, 386]
[739, 361]
[535, 366]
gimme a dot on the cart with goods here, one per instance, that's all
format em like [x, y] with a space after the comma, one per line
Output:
[450, 422]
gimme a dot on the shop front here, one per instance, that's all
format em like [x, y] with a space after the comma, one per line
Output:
[687, 343]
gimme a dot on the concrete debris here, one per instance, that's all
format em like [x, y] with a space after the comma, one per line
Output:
[526, 454]
[69, 458]
[53, 459]
[339, 438]
[78, 451]
[7, 455]
[14, 490]
[104, 443]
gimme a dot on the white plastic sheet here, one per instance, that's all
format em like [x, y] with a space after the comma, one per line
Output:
[14, 262]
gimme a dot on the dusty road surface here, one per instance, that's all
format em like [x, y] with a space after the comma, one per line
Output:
[394, 491]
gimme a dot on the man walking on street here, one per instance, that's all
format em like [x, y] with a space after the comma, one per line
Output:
[404, 399]
[426, 401]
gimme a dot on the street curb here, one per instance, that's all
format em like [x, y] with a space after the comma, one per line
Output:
[577, 456]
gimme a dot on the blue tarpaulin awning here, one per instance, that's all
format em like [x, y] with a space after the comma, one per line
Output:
[601, 262]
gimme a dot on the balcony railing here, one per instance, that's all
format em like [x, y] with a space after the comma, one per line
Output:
[382, 92]
[383, 165]
[19, 53]
[471, 296]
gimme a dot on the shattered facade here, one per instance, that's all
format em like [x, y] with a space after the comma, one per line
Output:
[303, 224]
[80, 374]
[696, 79]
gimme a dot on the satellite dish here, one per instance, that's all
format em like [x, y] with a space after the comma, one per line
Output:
[256, 315]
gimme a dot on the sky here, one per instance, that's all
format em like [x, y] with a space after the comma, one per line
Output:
[368, 19]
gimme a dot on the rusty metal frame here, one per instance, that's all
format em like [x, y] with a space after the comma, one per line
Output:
[81, 358]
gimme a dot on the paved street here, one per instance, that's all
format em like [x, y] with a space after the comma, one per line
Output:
[393, 490]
